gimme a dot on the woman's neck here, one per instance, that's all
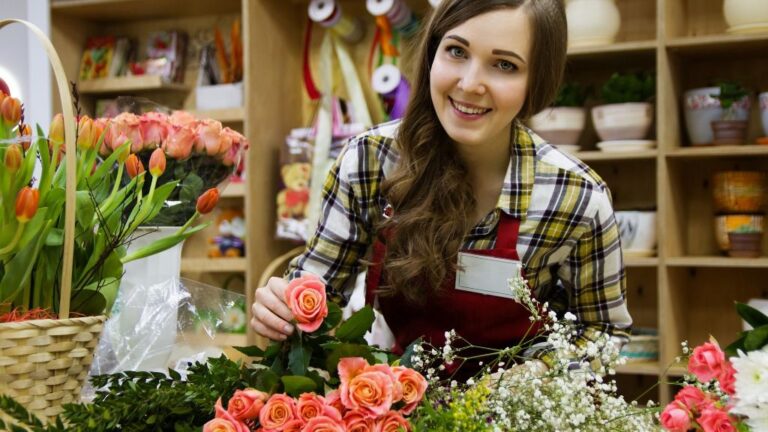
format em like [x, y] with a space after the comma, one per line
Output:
[486, 163]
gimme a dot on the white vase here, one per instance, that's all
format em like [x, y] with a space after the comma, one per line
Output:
[746, 16]
[592, 22]
[146, 311]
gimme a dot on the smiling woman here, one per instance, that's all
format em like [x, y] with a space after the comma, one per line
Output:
[447, 204]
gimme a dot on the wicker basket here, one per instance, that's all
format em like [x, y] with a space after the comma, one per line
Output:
[44, 363]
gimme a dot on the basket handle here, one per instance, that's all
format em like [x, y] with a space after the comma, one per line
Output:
[70, 161]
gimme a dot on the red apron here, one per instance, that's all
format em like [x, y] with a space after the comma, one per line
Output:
[483, 320]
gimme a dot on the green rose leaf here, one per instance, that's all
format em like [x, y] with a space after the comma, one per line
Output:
[298, 357]
[754, 317]
[296, 385]
[756, 338]
[332, 320]
[250, 351]
[356, 326]
[347, 350]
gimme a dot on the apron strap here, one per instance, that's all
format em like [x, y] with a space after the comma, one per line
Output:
[506, 236]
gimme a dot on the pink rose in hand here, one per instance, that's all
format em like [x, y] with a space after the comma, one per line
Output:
[715, 420]
[246, 404]
[179, 143]
[675, 418]
[706, 362]
[306, 298]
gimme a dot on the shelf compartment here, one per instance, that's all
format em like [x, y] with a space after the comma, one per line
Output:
[718, 262]
[719, 151]
[213, 265]
[639, 368]
[234, 190]
[126, 10]
[227, 115]
[591, 156]
[618, 48]
[141, 83]
[630, 261]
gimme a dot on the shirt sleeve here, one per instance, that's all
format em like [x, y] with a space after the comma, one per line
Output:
[594, 275]
[343, 233]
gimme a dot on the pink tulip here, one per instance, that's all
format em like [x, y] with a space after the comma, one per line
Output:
[179, 143]
[154, 129]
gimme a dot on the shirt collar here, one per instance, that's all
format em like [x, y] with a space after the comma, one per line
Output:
[518, 182]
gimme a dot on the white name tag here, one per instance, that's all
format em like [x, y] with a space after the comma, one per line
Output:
[486, 275]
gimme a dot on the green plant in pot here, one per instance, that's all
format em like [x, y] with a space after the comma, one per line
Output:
[745, 242]
[626, 112]
[731, 129]
[562, 123]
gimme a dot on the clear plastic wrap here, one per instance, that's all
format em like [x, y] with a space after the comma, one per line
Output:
[168, 325]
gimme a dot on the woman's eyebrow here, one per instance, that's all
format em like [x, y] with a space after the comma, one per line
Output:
[458, 38]
[508, 53]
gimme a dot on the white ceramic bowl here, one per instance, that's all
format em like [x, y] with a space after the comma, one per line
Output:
[559, 125]
[625, 121]
[638, 232]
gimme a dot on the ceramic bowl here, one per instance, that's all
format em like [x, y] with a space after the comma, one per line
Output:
[637, 230]
[559, 125]
[626, 121]
[739, 191]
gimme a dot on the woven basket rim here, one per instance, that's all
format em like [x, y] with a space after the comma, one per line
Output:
[49, 323]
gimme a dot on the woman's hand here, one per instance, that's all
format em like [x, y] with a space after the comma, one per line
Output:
[271, 315]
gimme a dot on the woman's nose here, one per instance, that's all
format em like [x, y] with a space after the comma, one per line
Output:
[472, 80]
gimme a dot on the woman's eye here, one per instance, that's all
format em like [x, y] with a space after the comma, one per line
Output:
[457, 52]
[506, 66]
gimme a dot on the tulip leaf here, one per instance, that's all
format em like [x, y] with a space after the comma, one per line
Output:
[163, 244]
[158, 199]
[356, 326]
[88, 302]
[55, 237]
[33, 227]
[296, 385]
[752, 316]
[85, 209]
[18, 269]
[756, 338]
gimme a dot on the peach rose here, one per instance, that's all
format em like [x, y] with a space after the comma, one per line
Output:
[154, 129]
[208, 137]
[222, 414]
[371, 393]
[179, 143]
[128, 124]
[323, 424]
[333, 398]
[181, 118]
[414, 386]
[309, 406]
[355, 421]
[715, 420]
[306, 298]
[219, 425]
[392, 421]
[277, 412]
[675, 418]
[246, 404]
[706, 362]
[294, 426]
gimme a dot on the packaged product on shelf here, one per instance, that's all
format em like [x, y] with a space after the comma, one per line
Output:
[230, 241]
[97, 57]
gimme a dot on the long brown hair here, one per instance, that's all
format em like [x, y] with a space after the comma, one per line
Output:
[428, 190]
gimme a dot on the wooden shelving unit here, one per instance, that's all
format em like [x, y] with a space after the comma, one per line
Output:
[131, 84]
[686, 292]
[214, 265]
[226, 115]
[234, 190]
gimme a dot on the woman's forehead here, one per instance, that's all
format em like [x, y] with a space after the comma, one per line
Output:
[506, 29]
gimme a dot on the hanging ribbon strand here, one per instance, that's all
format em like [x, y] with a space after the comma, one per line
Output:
[435, 3]
[397, 13]
[393, 88]
[328, 14]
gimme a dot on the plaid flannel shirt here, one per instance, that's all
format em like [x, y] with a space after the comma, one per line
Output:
[568, 240]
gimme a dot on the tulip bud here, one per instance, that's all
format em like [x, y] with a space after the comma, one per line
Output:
[97, 130]
[26, 204]
[25, 133]
[157, 163]
[56, 132]
[133, 166]
[85, 133]
[207, 201]
[13, 158]
[11, 110]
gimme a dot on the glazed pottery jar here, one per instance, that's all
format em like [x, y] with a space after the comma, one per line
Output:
[739, 192]
[592, 22]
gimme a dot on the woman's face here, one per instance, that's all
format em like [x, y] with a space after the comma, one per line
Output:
[479, 77]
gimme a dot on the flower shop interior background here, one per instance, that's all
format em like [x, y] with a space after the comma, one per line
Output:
[682, 290]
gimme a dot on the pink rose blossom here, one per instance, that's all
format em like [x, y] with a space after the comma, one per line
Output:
[727, 378]
[219, 425]
[309, 406]
[715, 420]
[413, 384]
[222, 414]
[293, 426]
[179, 143]
[277, 412]
[208, 137]
[706, 362]
[366, 389]
[323, 424]
[306, 298]
[128, 124]
[693, 399]
[333, 399]
[246, 404]
[675, 418]
[392, 421]
[154, 129]
[181, 118]
[355, 421]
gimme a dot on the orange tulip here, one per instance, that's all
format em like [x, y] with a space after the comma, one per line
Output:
[157, 163]
[85, 139]
[13, 158]
[56, 133]
[134, 166]
[207, 201]
[25, 132]
[26, 204]
[11, 110]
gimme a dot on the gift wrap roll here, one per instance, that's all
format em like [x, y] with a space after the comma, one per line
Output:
[328, 14]
[393, 87]
[397, 12]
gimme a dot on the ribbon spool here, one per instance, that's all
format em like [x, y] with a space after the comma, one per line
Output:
[328, 14]
[393, 88]
[397, 12]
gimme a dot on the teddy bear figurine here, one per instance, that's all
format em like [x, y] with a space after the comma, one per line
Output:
[231, 239]
[293, 199]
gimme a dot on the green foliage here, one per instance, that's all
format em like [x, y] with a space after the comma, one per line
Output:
[730, 93]
[750, 340]
[632, 87]
[571, 95]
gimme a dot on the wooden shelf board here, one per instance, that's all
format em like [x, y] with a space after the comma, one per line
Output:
[128, 84]
[639, 368]
[597, 155]
[719, 151]
[716, 261]
[227, 115]
[213, 265]
[718, 43]
[125, 10]
[630, 261]
[620, 48]
[234, 190]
